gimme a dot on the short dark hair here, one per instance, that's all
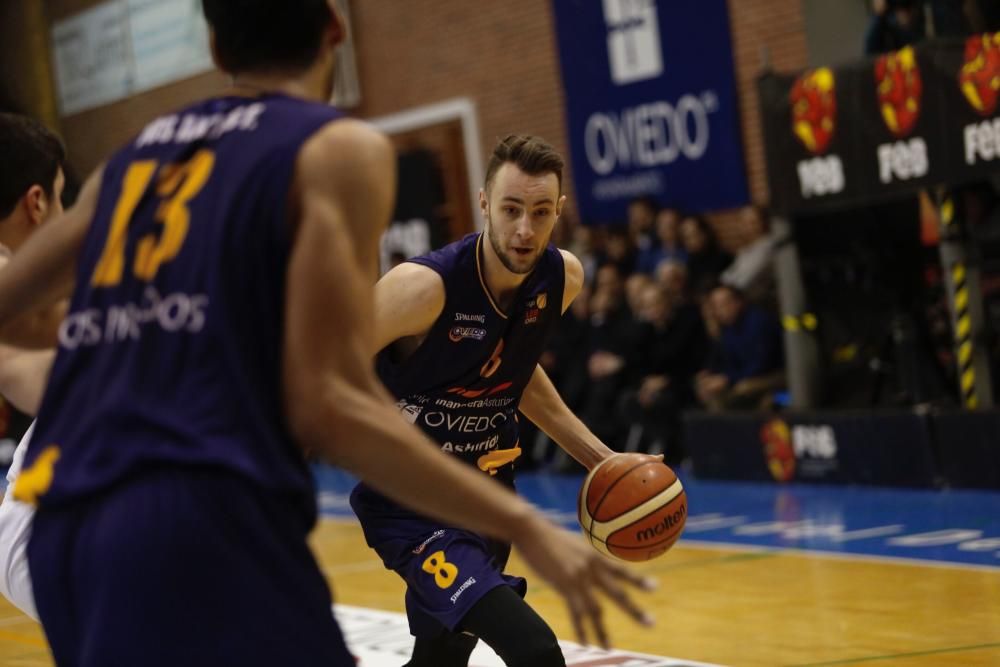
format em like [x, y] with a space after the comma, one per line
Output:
[266, 34]
[532, 155]
[30, 154]
[648, 202]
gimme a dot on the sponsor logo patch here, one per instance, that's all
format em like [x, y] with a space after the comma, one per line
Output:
[409, 411]
[899, 87]
[778, 451]
[423, 545]
[460, 333]
[980, 75]
[461, 589]
[814, 109]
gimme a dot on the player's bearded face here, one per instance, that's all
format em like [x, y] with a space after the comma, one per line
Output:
[516, 261]
[520, 216]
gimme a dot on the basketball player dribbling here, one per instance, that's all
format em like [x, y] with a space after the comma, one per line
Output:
[220, 323]
[461, 331]
[31, 184]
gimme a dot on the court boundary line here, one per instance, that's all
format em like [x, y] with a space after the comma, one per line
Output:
[840, 555]
[832, 555]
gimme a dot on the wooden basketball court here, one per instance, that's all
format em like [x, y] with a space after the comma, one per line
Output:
[731, 606]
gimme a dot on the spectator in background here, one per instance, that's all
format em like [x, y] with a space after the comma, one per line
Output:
[950, 19]
[618, 250]
[634, 285]
[582, 244]
[746, 365]
[565, 358]
[752, 270]
[611, 340]
[641, 217]
[894, 24]
[672, 276]
[672, 346]
[667, 246]
[705, 260]
[565, 362]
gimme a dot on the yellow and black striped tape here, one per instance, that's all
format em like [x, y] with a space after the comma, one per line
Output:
[963, 335]
[804, 322]
[948, 213]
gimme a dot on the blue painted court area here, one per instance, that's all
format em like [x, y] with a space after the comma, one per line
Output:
[952, 526]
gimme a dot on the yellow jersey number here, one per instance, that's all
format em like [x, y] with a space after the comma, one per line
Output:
[176, 185]
[444, 572]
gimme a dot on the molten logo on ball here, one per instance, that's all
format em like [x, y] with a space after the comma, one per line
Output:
[899, 89]
[669, 521]
[814, 109]
[980, 75]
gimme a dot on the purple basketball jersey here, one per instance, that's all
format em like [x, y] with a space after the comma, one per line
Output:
[171, 351]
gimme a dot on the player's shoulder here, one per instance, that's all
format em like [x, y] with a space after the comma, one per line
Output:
[417, 282]
[573, 270]
[408, 299]
[345, 142]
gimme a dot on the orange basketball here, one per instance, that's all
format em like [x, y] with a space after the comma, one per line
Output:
[632, 506]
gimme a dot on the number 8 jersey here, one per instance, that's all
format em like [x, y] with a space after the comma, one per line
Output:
[171, 351]
[463, 383]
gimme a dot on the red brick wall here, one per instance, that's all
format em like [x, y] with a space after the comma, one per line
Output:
[503, 55]
[776, 27]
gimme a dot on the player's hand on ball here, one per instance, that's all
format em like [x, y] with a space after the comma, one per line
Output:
[632, 507]
[577, 572]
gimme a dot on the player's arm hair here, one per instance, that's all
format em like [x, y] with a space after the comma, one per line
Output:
[573, 278]
[23, 376]
[408, 299]
[42, 274]
[334, 403]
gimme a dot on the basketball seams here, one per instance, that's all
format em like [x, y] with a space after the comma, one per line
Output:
[607, 491]
[638, 512]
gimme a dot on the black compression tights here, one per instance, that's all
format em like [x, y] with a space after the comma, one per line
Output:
[506, 623]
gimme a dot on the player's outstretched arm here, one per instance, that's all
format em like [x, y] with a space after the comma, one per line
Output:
[335, 405]
[23, 376]
[43, 273]
[24, 373]
[542, 404]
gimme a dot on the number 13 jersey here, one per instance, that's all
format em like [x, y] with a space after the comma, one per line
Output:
[171, 352]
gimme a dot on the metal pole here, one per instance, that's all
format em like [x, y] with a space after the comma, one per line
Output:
[966, 303]
[801, 348]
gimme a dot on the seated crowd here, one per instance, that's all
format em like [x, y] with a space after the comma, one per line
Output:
[667, 321]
